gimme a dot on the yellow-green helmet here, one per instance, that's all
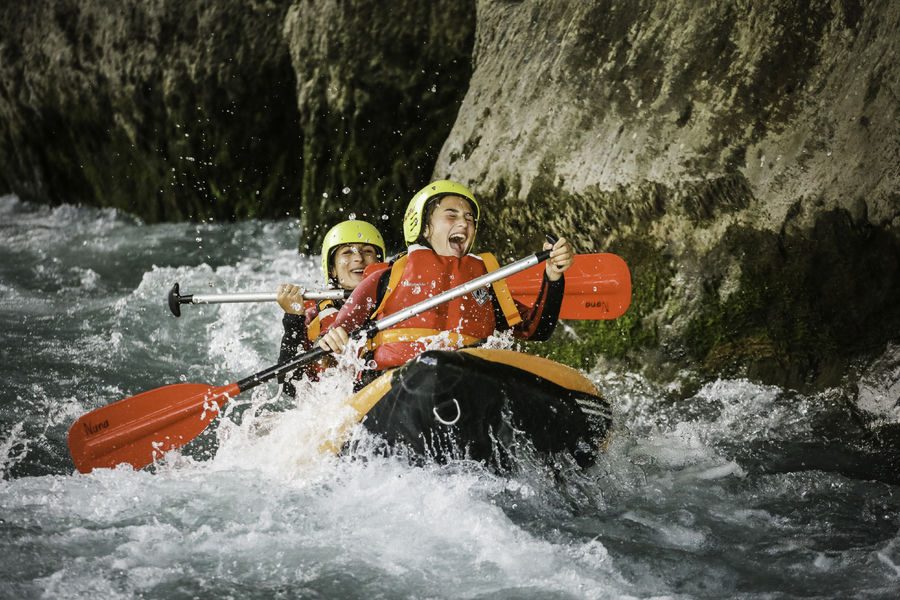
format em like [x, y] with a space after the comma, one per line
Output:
[349, 232]
[414, 218]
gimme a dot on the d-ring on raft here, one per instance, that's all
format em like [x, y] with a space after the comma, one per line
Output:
[483, 404]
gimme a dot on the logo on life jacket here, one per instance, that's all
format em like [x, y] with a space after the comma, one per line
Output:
[417, 286]
[481, 295]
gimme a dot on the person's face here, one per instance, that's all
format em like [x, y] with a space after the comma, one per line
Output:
[451, 227]
[349, 262]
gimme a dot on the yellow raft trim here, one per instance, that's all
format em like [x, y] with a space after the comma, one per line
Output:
[550, 370]
[361, 402]
[415, 334]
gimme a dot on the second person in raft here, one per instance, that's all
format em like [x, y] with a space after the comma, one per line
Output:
[439, 225]
[347, 249]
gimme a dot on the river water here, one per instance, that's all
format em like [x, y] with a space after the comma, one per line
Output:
[742, 490]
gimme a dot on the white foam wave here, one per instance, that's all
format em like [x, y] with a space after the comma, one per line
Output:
[878, 390]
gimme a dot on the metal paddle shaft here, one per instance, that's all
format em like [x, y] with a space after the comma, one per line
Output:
[461, 290]
[176, 299]
[598, 287]
[382, 324]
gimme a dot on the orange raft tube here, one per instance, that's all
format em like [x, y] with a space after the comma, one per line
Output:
[484, 404]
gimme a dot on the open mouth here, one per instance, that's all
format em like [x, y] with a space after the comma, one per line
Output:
[458, 243]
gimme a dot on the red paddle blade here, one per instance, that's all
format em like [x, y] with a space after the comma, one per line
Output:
[598, 286]
[140, 429]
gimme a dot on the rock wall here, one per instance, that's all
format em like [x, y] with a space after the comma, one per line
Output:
[192, 109]
[169, 110]
[379, 85]
[742, 157]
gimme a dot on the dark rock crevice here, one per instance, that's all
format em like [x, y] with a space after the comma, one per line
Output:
[151, 108]
[378, 91]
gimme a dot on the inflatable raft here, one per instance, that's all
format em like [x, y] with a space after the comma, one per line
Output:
[485, 405]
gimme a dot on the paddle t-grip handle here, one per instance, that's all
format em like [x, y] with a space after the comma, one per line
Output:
[176, 300]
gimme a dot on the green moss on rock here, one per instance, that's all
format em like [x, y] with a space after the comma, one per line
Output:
[806, 303]
[579, 343]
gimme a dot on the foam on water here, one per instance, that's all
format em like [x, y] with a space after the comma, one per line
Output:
[879, 388]
[684, 503]
[365, 528]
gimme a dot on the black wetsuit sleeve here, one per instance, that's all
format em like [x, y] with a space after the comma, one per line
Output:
[293, 342]
[538, 321]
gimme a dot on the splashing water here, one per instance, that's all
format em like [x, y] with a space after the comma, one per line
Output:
[738, 489]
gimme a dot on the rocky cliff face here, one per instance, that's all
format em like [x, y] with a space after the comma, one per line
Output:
[742, 157]
[379, 84]
[166, 109]
[193, 109]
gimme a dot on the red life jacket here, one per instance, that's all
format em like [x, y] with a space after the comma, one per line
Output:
[468, 319]
[320, 318]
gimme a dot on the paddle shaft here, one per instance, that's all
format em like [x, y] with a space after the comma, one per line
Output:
[176, 299]
[519, 289]
[261, 297]
[382, 324]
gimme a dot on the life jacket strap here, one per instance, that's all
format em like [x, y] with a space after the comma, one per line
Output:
[393, 282]
[315, 326]
[501, 290]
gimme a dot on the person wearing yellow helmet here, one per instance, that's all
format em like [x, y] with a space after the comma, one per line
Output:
[417, 220]
[347, 249]
[440, 225]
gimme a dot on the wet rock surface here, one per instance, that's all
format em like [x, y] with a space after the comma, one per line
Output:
[168, 110]
[744, 159]
[741, 158]
[190, 110]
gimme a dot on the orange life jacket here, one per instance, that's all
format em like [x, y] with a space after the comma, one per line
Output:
[421, 274]
[326, 312]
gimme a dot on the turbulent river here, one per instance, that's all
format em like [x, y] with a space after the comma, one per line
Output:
[740, 490]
